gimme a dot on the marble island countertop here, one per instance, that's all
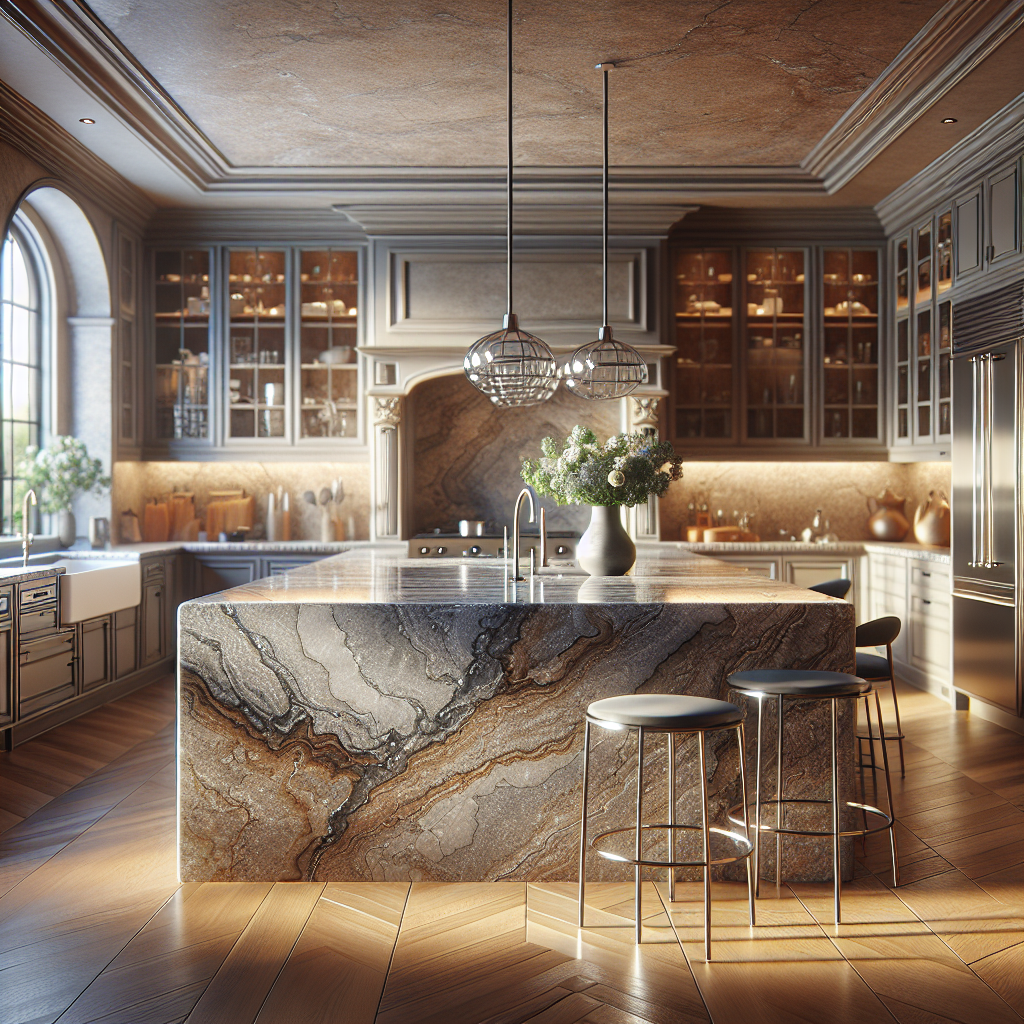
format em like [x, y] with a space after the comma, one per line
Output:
[661, 576]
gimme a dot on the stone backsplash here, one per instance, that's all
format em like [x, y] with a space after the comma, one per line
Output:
[783, 496]
[136, 482]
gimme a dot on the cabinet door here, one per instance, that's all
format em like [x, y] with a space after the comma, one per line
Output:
[6, 677]
[967, 211]
[154, 623]
[809, 571]
[929, 632]
[219, 573]
[45, 672]
[1003, 215]
[256, 398]
[126, 657]
[774, 347]
[95, 661]
[277, 566]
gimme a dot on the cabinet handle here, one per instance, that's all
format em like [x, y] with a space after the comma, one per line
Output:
[923, 573]
[923, 601]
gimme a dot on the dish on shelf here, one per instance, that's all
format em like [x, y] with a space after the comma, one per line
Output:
[337, 354]
[724, 278]
[335, 307]
[862, 279]
[850, 306]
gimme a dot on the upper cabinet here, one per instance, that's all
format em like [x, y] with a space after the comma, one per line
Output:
[777, 347]
[254, 349]
[958, 250]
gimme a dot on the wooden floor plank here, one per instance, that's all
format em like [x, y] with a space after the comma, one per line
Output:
[337, 968]
[165, 968]
[239, 988]
[1004, 972]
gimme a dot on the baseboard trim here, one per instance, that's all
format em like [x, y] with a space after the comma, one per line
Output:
[996, 715]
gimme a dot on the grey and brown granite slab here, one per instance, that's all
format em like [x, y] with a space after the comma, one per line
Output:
[375, 717]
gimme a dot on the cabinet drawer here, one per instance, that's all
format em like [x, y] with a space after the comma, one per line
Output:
[930, 626]
[153, 572]
[42, 620]
[926, 577]
[46, 673]
[37, 594]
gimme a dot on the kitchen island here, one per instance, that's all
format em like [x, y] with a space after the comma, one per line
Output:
[376, 717]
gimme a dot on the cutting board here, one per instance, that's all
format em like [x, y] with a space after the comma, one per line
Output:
[156, 522]
[228, 515]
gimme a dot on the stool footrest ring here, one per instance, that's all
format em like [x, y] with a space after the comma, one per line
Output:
[745, 844]
[867, 808]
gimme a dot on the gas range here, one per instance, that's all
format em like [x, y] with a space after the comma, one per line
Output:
[561, 545]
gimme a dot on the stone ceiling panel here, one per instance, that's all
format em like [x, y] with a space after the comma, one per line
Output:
[316, 83]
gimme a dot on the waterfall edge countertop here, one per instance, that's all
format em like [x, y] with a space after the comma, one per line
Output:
[659, 577]
[371, 717]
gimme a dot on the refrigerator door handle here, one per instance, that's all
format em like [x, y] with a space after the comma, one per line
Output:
[990, 530]
[977, 489]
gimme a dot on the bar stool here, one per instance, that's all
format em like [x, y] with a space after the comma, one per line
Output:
[833, 588]
[796, 684]
[673, 715]
[879, 671]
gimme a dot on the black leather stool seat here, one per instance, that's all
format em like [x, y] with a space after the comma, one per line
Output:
[665, 711]
[872, 666]
[799, 683]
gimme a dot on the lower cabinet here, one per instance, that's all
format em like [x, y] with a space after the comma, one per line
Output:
[154, 623]
[126, 653]
[46, 673]
[217, 572]
[95, 653]
[917, 591]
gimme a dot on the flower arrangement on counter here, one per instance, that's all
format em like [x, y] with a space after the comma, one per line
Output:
[626, 470]
[61, 471]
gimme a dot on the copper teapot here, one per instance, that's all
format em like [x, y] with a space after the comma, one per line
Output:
[931, 521]
[888, 519]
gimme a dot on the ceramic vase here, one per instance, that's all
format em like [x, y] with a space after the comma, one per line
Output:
[66, 529]
[605, 549]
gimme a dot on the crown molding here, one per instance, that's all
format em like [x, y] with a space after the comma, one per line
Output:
[951, 45]
[999, 140]
[844, 224]
[29, 130]
[312, 226]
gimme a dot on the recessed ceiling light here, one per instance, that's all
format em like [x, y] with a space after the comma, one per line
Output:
[86, 120]
[949, 120]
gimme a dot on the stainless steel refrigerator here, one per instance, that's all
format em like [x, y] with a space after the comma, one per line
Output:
[988, 528]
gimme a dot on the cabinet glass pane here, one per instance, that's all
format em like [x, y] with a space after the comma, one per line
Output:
[923, 373]
[774, 344]
[944, 253]
[944, 388]
[181, 305]
[257, 344]
[850, 357]
[328, 381]
[924, 264]
[903, 378]
[902, 276]
[704, 358]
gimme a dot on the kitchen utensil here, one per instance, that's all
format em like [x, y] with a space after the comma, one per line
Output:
[130, 532]
[888, 520]
[99, 531]
[472, 527]
[722, 534]
[285, 518]
[155, 521]
[931, 521]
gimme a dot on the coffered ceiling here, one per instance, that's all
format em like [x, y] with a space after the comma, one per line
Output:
[302, 102]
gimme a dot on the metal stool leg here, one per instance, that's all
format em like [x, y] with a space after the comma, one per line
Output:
[670, 739]
[741, 739]
[778, 800]
[707, 847]
[757, 801]
[896, 709]
[639, 833]
[837, 881]
[888, 793]
[583, 823]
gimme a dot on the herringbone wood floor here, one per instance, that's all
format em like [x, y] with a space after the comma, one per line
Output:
[94, 928]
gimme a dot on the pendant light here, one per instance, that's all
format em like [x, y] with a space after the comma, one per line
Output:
[512, 367]
[605, 368]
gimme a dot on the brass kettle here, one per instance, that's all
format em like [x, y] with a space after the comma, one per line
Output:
[931, 521]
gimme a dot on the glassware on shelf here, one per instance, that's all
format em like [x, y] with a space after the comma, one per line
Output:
[944, 253]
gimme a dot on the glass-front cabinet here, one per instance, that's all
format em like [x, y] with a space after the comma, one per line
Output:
[257, 381]
[774, 345]
[254, 347]
[704, 346]
[328, 391]
[182, 346]
[850, 357]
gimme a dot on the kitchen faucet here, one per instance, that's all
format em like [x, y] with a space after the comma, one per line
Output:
[527, 493]
[26, 537]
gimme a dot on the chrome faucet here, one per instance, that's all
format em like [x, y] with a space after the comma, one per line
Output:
[26, 537]
[527, 493]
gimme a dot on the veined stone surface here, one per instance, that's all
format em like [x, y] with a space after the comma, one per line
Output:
[336, 724]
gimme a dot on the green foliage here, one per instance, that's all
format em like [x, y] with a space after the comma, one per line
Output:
[61, 471]
[626, 470]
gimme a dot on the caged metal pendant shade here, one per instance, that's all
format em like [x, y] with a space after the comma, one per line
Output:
[605, 368]
[511, 366]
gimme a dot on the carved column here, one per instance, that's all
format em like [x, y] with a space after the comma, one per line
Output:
[385, 467]
[643, 412]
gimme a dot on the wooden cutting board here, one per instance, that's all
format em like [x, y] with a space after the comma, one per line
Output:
[156, 522]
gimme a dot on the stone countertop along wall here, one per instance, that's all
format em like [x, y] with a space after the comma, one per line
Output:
[369, 717]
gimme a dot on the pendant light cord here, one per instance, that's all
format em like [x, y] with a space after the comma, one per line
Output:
[508, 124]
[604, 218]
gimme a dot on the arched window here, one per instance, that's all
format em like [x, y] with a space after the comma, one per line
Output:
[24, 298]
